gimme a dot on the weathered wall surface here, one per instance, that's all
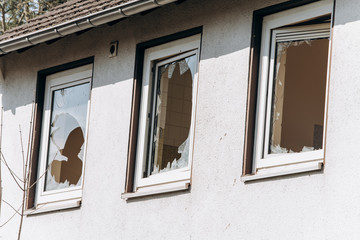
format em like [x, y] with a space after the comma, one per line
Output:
[321, 205]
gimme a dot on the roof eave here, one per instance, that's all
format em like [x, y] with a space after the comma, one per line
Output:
[79, 24]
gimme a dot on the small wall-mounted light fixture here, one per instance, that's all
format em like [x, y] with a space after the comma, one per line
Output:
[113, 49]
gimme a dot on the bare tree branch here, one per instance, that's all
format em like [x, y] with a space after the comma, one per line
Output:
[22, 152]
[37, 180]
[28, 157]
[9, 218]
[12, 173]
[17, 211]
[9, 168]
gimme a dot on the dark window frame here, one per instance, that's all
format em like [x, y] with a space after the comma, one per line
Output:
[254, 62]
[136, 98]
[37, 121]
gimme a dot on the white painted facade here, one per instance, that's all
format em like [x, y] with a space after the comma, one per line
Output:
[317, 205]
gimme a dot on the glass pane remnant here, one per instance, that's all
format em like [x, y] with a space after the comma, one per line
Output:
[298, 96]
[172, 119]
[66, 140]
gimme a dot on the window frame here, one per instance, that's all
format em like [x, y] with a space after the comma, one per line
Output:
[178, 179]
[256, 166]
[50, 80]
[152, 98]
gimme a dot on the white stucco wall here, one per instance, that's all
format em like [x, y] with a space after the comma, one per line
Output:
[319, 205]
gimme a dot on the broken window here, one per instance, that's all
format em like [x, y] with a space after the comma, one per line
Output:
[63, 135]
[67, 129]
[292, 85]
[171, 121]
[166, 121]
[299, 96]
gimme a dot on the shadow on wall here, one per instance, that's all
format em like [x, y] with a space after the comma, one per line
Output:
[345, 11]
[225, 31]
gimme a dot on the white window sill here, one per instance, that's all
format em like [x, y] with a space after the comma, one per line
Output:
[54, 206]
[284, 170]
[158, 189]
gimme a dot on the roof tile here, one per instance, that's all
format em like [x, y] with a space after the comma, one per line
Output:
[61, 14]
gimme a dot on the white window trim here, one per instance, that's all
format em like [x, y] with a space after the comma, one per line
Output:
[62, 198]
[264, 165]
[173, 180]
